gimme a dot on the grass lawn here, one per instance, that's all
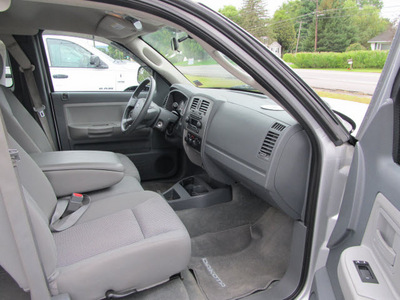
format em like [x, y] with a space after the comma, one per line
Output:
[348, 97]
[345, 70]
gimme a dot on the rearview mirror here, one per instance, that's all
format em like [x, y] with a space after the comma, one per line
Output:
[143, 73]
[174, 44]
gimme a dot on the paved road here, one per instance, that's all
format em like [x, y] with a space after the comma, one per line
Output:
[339, 80]
[333, 80]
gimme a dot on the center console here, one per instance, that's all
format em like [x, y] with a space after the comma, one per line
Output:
[80, 171]
[196, 118]
[197, 192]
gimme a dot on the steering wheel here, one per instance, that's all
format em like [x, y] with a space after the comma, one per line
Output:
[136, 109]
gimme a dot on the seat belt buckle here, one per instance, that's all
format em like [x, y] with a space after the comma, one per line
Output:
[75, 202]
[40, 111]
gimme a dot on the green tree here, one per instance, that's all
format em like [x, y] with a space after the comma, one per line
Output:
[254, 18]
[376, 3]
[355, 47]
[336, 25]
[369, 24]
[301, 11]
[283, 28]
[231, 12]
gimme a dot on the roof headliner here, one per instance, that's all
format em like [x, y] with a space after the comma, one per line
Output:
[28, 17]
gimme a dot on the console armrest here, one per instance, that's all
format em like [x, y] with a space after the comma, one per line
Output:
[80, 171]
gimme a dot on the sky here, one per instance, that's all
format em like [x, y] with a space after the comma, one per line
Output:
[391, 8]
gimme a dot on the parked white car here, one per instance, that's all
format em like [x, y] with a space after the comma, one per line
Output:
[73, 61]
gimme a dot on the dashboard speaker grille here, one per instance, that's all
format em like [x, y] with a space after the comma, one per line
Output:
[268, 144]
[204, 106]
[195, 102]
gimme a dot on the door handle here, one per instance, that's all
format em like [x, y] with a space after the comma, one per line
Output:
[60, 76]
[384, 248]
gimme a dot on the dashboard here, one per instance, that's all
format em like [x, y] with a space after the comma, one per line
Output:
[238, 136]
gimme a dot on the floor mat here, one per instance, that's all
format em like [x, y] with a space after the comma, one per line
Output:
[245, 208]
[236, 262]
[9, 289]
[173, 289]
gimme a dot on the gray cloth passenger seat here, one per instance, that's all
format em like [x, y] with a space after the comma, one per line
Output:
[132, 240]
[27, 132]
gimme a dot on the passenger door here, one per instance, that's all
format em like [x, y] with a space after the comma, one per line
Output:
[364, 248]
[88, 103]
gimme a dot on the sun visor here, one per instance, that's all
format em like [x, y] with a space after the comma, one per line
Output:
[115, 27]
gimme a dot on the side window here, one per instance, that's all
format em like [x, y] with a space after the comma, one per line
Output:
[8, 74]
[66, 54]
[6, 78]
[87, 65]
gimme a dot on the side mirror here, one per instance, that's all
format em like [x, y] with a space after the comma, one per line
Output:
[96, 62]
[143, 73]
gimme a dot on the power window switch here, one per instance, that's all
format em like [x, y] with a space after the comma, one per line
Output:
[365, 271]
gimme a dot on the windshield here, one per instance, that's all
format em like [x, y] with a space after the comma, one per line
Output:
[189, 57]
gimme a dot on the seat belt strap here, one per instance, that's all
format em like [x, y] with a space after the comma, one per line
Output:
[60, 221]
[19, 220]
[27, 68]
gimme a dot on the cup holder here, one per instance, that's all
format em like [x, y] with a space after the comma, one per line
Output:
[171, 195]
[196, 192]
[194, 186]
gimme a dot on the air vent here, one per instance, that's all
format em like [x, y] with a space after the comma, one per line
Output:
[195, 103]
[278, 126]
[204, 106]
[268, 144]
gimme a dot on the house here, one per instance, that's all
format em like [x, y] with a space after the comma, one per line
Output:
[275, 48]
[272, 45]
[382, 41]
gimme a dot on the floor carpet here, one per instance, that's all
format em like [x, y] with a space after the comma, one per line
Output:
[236, 262]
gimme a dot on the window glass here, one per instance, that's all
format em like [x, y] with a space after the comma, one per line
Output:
[190, 58]
[8, 75]
[88, 64]
[68, 54]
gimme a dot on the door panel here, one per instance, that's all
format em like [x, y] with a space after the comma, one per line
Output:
[371, 270]
[363, 260]
[91, 121]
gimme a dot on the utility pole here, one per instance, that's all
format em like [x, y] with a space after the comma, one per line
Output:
[298, 36]
[316, 27]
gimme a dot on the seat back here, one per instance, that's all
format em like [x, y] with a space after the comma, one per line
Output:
[21, 125]
[40, 202]
[19, 122]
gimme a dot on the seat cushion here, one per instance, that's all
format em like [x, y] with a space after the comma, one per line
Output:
[130, 168]
[131, 241]
[127, 185]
